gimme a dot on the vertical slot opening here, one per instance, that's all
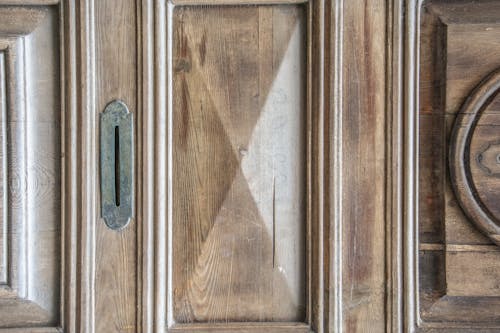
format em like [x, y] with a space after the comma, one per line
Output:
[117, 166]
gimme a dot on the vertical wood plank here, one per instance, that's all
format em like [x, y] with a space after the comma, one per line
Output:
[116, 251]
[364, 166]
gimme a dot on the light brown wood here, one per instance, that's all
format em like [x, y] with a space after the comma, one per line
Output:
[291, 161]
[235, 2]
[239, 121]
[115, 277]
[30, 177]
[243, 327]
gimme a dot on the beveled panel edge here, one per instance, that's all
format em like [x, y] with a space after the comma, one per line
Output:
[324, 274]
[16, 92]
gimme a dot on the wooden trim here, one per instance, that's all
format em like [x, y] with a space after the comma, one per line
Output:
[394, 217]
[334, 95]
[78, 181]
[147, 298]
[234, 2]
[243, 328]
[402, 169]
[68, 175]
[408, 158]
[31, 330]
[21, 20]
[162, 151]
[458, 247]
[29, 2]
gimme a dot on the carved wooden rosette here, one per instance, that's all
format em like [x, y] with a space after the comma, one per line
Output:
[475, 157]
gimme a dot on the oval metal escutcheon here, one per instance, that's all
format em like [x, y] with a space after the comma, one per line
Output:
[117, 165]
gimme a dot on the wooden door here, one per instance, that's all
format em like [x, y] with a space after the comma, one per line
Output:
[293, 166]
[225, 228]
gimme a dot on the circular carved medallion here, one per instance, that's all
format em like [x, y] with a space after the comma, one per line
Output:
[475, 156]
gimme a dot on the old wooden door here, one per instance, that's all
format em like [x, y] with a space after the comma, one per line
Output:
[249, 166]
[159, 166]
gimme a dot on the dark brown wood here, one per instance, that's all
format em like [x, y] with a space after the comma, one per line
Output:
[363, 127]
[473, 157]
[448, 267]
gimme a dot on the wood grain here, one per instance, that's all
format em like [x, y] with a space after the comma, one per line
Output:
[21, 20]
[472, 273]
[4, 240]
[116, 253]
[363, 170]
[31, 165]
[431, 134]
[239, 148]
[244, 328]
[235, 2]
[448, 271]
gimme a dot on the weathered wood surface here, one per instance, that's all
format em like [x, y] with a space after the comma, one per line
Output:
[30, 168]
[459, 48]
[116, 253]
[239, 120]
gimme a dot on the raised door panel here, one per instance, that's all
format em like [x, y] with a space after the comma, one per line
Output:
[30, 168]
[457, 257]
[242, 136]
[239, 164]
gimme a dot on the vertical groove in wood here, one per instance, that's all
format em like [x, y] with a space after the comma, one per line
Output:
[68, 171]
[316, 157]
[4, 241]
[394, 134]
[139, 146]
[167, 24]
